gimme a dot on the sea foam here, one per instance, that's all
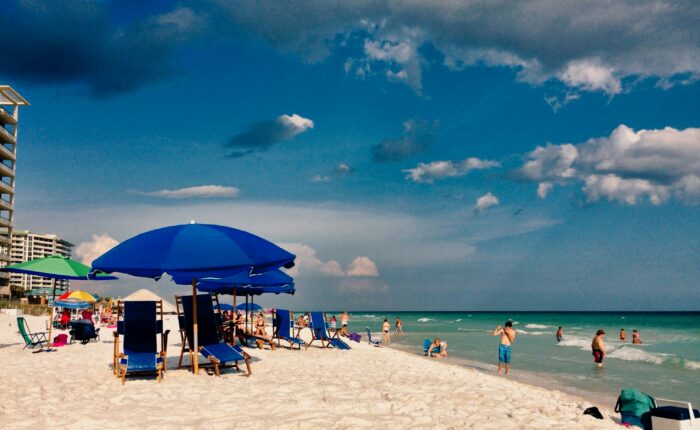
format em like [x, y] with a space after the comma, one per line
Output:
[425, 319]
[537, 326]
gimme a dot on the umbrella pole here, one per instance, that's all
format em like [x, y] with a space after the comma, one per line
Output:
[195, 327]
[234, 317]
[246, 312]
[53, 298]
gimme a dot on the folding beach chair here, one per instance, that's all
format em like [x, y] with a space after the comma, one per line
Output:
[369, 338]
[318, 328]
[140, 323]
[283, 329]
[208, 335]
[31, 340]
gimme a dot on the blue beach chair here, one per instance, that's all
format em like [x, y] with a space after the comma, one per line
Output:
[376, 343]
[283, 329]
[208, 335]
[318, 328]
[426, 345]
[140, 325]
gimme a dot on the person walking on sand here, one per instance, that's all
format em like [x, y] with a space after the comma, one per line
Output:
[385, 329]
[399, 326]
[344, 318]
[560, 334]
[507, 334]
[635, 338]
[623, 335]
[598, 348]
[334, 323]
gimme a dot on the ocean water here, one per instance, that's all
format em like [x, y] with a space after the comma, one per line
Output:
[666, 365]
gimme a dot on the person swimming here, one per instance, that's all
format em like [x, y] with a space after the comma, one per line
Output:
[623, 335]
[560, 334]
[598, 348]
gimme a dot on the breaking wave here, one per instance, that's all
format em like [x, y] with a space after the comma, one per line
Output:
[537, 326]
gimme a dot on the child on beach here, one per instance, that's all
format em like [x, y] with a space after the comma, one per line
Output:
[443, 349]
[334, 323]
[598, 348]
[344, 318]
[434, 350]
[507, 337]
[385, 329]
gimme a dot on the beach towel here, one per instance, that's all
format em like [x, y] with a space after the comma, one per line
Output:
[355, 337]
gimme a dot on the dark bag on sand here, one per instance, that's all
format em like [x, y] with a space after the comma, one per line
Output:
[594, 412]
[356, 337]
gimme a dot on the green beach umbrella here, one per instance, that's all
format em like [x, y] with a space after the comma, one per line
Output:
[57, 267]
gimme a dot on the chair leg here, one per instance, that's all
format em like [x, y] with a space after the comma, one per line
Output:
[123, 375]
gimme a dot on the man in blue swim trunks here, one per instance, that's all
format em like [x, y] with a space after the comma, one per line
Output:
[507, 338]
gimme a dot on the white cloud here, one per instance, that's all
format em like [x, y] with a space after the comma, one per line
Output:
[627, 166]
[435, 170]
[308, 261]
[343, 168]
[362, 266]
[89, 251]
[320, 178]
[204, 191]
[486, 201]
[591, 75]
[295, 124]
[543, 188]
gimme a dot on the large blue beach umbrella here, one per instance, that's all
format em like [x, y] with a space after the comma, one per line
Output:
[192, 251]
[249, 307]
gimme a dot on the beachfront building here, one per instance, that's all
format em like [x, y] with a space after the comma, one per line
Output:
[10, 101]
[29, 246]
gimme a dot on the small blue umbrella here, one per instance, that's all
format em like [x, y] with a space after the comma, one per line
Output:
[192, 251]
[72, 304]
[245, 284]
[225, 307]
[249, 307]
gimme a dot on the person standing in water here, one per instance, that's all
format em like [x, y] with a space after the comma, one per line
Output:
[560, 334]
[635, 337]
[399, 326]
[623, 335]
[385, 330]
[598, 348]
[507, 337]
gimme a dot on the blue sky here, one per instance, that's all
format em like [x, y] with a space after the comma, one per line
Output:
[464, 155]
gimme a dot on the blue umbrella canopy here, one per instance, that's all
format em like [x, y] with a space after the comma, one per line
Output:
[188, 250]
[225, 307]
[245, 284]
[249, 307]
[72, 304]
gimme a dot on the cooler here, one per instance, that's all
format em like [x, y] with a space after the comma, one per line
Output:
[674, 415]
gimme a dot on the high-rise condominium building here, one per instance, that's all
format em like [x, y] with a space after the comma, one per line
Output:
[10, 101]
[29, 246]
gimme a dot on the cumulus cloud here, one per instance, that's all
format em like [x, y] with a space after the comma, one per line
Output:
[204, 191]
[309, 263]
[320, 178]
[89, 251]
[486, 201]
[418, 136]
[362, 266]
[263, 135]
[621, 39]
[78, 42]
[628, 166]
[344, 168]
[435, 170]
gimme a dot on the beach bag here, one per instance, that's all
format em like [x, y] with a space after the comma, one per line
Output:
[355, 337]
[60, 340]
[635, 408]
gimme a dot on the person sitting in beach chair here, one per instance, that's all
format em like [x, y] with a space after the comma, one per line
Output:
[375, 342]
[434, 350]
[283, 329]
[209, 344]
[65, 319]
[31, 340]
[140, 325]
[318, 328]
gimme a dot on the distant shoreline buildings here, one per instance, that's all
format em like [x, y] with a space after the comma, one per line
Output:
[29, 246]
[10, 101]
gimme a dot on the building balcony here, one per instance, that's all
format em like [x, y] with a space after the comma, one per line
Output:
[6, 136]
[4, 222]
[4, 275]
[6, 153]
[6, 170]
[6, 117]
[5, 239]
[6, 188]
[5, 205]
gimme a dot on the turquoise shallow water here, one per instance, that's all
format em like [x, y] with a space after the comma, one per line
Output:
[666, 365]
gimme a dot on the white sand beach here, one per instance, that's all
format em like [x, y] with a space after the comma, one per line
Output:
[365, 387]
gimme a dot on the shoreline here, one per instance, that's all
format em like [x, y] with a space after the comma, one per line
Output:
[523, 376]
